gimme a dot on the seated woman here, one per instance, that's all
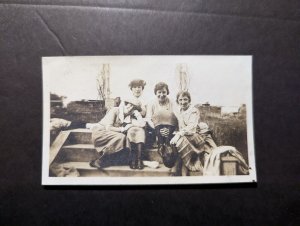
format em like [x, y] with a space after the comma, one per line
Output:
[161, 118]
[122, 127]
[193, 140]
[137, 87]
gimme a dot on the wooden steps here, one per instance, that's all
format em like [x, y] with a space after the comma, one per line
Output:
[74, 148]
[87, 152]
[85, 170]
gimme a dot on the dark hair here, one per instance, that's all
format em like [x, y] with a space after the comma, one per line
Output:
[137, 82]
[160, 86]
[117, 101]
[184, 94]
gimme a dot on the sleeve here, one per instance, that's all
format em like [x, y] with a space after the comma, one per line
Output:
[110, 118]
[149, 111]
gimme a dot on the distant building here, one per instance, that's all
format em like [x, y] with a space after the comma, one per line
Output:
[206, 110]
[86, 110]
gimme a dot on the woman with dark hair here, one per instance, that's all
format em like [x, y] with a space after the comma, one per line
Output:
[161, 118]
[137, 87]
[193, 141]
[121, 128]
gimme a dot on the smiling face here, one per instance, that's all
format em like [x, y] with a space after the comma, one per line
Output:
[161, 95]
[184, 102]
[137, 91]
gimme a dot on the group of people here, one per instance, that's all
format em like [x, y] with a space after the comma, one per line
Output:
[183, 141]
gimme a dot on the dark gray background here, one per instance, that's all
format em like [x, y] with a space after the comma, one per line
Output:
[267, 29]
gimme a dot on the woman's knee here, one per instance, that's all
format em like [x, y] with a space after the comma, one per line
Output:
[136, 135]
[135, 130]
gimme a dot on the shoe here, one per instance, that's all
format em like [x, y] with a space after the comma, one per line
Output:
[132, 164]
[132, 159]
[139, 164]
[97, 163]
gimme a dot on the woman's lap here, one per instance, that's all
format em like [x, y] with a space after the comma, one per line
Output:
[136, 135]
[109, 141]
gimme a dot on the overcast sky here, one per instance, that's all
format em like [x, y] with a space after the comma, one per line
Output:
[219, 80]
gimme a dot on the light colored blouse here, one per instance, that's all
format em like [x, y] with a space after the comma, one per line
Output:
[155, 107]
[189, 120]
[143, 105]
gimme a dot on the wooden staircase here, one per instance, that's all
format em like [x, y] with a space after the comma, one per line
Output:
[74, 148]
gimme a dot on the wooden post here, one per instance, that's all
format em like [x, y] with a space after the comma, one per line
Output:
[229, 165]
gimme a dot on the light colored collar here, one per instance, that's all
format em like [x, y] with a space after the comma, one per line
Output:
[190, 108]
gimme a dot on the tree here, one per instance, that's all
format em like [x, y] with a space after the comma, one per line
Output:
[103, 83]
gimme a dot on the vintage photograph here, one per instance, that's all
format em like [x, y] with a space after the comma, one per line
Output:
[134, 120]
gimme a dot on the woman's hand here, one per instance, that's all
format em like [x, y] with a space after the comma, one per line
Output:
[127, 127]
[137, 114]
[175, 139]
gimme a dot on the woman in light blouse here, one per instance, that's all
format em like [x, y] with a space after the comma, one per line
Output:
[160, 114]
[137, 87]
[162, 122]
[193, 140]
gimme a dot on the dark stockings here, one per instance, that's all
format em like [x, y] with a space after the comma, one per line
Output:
[136, 161]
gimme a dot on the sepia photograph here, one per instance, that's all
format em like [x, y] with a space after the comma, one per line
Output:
[142, 120]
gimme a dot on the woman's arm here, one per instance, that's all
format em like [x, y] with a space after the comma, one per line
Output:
[149, 114]
[144, 110]
[109, 120]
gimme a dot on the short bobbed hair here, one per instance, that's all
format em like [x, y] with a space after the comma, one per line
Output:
[183, 94]
[137, 82]
[160, 86]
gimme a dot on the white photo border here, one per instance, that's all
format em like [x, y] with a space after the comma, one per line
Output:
[47, 180]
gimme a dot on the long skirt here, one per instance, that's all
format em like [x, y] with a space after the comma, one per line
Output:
[193, 149]
[109, 142]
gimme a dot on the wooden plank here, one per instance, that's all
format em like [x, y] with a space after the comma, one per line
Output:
[80, 146]
[116, 171]
[229, 165]
[57, 145]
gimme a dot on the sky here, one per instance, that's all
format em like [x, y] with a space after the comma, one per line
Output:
[219, 80]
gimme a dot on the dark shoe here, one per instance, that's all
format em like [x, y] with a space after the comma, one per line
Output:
[139, 164]
[132, 158]
[97, 163]
[132, 164]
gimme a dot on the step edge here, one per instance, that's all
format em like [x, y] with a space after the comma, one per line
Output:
[125, 168]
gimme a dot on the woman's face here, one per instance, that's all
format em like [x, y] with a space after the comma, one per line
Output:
[128, 107]
[184, 102]
[162, 94]
[137, 91]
